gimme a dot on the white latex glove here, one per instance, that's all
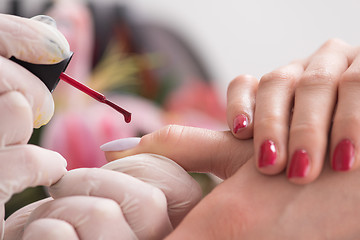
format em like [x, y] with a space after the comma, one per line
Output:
[120, 206]
[181, 190]
[25, 102]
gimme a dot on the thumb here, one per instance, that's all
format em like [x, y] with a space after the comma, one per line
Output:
[194, 149]
[35, 40]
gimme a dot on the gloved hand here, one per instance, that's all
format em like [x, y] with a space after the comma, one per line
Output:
[25, 102]
[100, 203]
[85, 203]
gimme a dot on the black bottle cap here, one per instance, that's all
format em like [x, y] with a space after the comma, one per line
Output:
[47, 73]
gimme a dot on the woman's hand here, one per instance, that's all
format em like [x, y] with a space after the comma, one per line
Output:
[303, 112]
[247, 204]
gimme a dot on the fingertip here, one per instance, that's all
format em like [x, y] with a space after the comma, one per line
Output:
[120, 144]
[301, 170]
[343, 157]
[44, 111]
[240, 105]
[269, 161]
[242, 127]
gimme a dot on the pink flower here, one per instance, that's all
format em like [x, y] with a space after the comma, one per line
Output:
[196, 104]
[78, 133]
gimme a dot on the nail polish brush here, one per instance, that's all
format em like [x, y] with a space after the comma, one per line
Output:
[50, 74]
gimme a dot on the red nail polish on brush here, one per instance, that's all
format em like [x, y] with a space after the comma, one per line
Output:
[299, 165]
[343, 156]
[50, 74]
[267, 154]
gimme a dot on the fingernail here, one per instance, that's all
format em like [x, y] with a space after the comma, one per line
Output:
[44, 111]
[343, 157]
[299, 165]
[267, 154]
[120, 144]
[240, 122]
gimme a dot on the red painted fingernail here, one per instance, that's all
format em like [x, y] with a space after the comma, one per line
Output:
[240, 122]
[343, 157]
[267, 154]
[299, 165]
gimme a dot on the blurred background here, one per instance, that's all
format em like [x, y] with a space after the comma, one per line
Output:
[169, 62]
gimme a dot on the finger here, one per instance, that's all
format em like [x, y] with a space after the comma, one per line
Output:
[182, 192]
[91, 217]
[35, 91]
[315, 99]
[346, 126]
[32, 40]
[49, 229]
[143, 205]
[194, 149]
[274, 101]
[29, 166]
[15, 223]
[16, 125]
[240, 105]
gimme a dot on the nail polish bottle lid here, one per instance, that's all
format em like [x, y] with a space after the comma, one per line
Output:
[47, 73]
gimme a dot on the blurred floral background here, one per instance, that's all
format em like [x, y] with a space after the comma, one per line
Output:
[146, 68]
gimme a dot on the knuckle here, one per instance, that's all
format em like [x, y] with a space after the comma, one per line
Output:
[241, 79]
[157, 202]
[278, 75]
[169, 134]
[350, 78]
[90, 175]
[305, 127]
[269, 121]
[320, 77]
[278, 78]
[334, 43]
[158, 199]
[105, 209]
[30, 157]
[39, 228]
[351, 120]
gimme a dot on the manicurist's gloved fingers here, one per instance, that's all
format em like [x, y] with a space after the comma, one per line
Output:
[32, 40]
[50, 229]
[16, 125]
[241, 105]
[91, 217]
[194, 149]
[15, 223]
[35, 41]
[15, 78]
[143, 206]
[29, 166]
[181, 190]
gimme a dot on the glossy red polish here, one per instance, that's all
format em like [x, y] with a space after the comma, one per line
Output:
[299, 165]
[267, 154]
[240, 122]
[96, 95]
[344, 155]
